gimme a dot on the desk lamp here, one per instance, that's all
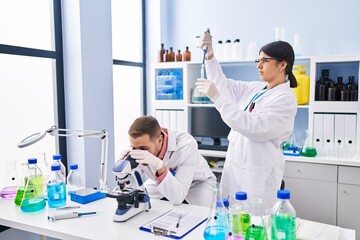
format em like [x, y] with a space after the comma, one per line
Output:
[103, 135]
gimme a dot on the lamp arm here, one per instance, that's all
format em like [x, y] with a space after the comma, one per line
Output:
[104, 135]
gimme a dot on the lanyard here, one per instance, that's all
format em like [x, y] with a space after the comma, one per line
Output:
[257, 96]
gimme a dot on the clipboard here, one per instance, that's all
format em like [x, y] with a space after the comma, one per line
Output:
[174, 224]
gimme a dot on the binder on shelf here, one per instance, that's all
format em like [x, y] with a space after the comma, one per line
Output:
[350, 133]
[318, 138]
[339, 140]
[175, 223]
[329, 121]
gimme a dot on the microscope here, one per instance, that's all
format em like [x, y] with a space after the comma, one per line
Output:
[130, 193]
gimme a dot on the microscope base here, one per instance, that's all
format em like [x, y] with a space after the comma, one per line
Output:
[131, 212]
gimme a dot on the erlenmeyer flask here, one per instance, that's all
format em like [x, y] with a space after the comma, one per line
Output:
[217, 225]
[10, 181]
[308, 150]
[257, 228]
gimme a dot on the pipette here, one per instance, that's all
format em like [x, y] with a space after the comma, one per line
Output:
[68, 215]
[202, 71]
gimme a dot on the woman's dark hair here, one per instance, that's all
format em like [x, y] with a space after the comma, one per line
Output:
[283, 51]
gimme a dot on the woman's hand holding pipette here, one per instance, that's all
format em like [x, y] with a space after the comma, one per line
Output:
[206, 40]
[208, 88]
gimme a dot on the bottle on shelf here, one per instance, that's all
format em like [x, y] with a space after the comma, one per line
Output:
[331, 92]
[179, 56]
[161, 53]
[297, 46]
[219, 51]
[237, 52]
[322, 85]
[339, 87]
[166, 57]
[257, 228]
[302, 91]
[171, 55]
[353, 89]
[56, 188]
[283, 218]
[57, 160]
[74, 181]
[187, 55]
[344, 94]
[228, 50]
[217, 225]
[240, 214]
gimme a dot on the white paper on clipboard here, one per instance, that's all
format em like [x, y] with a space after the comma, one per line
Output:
[168, 221]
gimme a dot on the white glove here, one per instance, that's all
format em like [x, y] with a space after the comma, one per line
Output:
[206, 39]
[208, 88]
[123, 154]
[145, 157]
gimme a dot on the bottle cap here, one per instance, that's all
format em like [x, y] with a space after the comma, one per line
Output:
[237, 40]
[224, 202]
[57, 157]
[228, 41]
[220, 42]
[55, 167]
[240, 196]
[32, 161]
[283, 194]
[73, 166]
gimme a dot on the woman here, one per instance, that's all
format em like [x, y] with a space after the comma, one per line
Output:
[261, 116]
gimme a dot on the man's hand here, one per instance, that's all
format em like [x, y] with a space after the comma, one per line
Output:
[145, 157]
[206, 39]
[208, 88]
[124, 153]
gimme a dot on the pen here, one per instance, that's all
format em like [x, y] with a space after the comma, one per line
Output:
[178, 222]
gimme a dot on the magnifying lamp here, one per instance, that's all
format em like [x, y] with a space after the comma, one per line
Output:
[55, 131]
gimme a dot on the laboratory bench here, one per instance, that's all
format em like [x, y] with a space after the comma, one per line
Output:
[101, 225]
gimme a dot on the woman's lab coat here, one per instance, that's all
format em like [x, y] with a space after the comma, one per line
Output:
[254, 162]
[189, 176]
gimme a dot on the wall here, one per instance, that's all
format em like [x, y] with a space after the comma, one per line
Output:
[325, 27]
[88, 82]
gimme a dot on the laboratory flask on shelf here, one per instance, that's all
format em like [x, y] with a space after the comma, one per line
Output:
[240, 213]
[217, 225]
[257, 229]
[10, 181]
[308, 149]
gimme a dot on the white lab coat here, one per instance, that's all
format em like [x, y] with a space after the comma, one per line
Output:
[193, 180]
[254, 162]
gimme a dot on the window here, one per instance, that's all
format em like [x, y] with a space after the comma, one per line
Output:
[128, 67]
[31, 73]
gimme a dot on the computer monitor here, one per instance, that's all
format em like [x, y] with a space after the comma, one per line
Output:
[207, 122]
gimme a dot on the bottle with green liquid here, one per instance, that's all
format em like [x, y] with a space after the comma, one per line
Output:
[240, 214]
[283, 218]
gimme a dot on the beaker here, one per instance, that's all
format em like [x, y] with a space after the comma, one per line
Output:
[308, 150]
[257, 228]
[10, 181]
[217, 225]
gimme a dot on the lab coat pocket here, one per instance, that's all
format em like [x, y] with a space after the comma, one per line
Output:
[254, 179]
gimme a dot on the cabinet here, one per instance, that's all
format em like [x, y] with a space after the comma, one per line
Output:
[348, 198]
[313, 195]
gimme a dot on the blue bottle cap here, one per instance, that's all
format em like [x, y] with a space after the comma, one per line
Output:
[55, 167]
[57, 157]
[224, 202]
[283, 194]
[73, 166]
[32, 161]
[240, 196]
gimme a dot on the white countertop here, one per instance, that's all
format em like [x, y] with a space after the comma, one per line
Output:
[101, 226]
[343, 161]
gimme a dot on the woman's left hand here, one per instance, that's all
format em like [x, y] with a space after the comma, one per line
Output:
[208, 88]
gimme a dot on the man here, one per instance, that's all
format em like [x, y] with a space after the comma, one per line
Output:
[171, 160]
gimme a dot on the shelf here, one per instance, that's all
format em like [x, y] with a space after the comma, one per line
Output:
[216, 170]
[210, 153]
